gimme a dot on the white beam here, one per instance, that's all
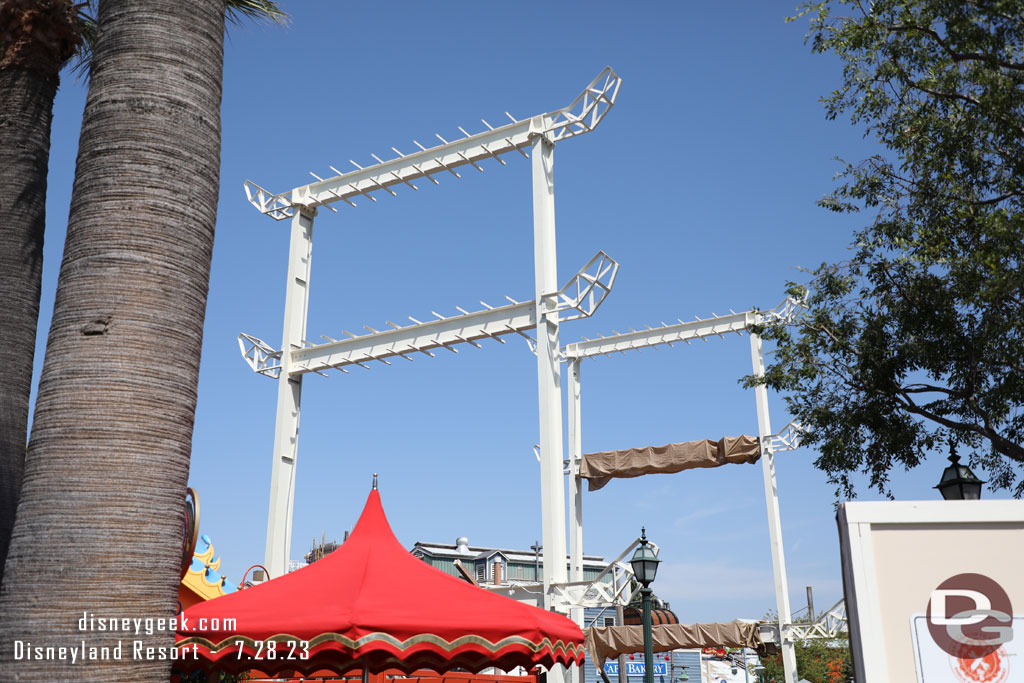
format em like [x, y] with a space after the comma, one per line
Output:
[701, 328]
[581, 116]
[417, 338]
[580, 297]
[735, 323]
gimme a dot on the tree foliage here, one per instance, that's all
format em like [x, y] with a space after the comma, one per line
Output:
[917, 341]
[817, 661]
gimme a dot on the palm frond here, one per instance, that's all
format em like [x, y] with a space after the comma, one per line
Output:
[237, 11]
[82, 60]
[261, 10]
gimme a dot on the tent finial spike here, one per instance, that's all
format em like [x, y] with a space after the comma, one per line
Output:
[374, 481]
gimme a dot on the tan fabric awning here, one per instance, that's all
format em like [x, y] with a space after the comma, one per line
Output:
[599, 468]
[608, 642]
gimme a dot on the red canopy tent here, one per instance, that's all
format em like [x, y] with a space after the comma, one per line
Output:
[370, 605]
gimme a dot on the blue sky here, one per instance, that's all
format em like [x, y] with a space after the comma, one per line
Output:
[701, 182]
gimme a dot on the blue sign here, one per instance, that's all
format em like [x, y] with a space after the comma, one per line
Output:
[635, 668]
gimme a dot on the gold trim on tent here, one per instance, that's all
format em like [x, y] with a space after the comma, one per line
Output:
[400, 645]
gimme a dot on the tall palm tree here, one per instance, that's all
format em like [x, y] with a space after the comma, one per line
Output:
[101, 507]
[38, 38]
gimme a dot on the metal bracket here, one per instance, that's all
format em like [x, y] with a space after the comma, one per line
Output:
[587, 289]
[786, 312]
[787, 439]
[260, 356]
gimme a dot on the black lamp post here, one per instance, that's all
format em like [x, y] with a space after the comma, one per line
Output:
[645, 566]
[958, 481]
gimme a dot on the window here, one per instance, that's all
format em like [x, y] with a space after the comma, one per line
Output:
[609, 621]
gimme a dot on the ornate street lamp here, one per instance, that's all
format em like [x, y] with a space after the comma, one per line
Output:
[645, 567]
[958, 481]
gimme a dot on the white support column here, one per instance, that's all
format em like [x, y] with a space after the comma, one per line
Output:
[549, 380]
[548, 371]
[575, 496]
[289, 396]
[771, 497]
[575, 482]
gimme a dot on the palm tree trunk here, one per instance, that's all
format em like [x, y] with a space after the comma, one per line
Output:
[24, 152]
[99, 524]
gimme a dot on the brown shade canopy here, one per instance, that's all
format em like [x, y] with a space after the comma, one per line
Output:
[599, 468]
[608, 642]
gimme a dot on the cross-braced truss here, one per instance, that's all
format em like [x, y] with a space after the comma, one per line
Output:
[613, 586]
[788, 438]
[828, 626]
[581, 116]
[585, 292]
[579, 297]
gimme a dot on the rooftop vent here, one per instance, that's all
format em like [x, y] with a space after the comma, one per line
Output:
[462, 545]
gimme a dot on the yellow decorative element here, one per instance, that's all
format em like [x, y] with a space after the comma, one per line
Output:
[207, 558]
[197, 582]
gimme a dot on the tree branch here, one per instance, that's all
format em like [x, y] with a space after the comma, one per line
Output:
[1000, 443]
[928, 388]
[959, 56]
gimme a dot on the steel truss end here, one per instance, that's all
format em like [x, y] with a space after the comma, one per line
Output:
[277, 206]
[787, 312]
[260, 356]
[788, 438]
[588, 109]
[587, 289]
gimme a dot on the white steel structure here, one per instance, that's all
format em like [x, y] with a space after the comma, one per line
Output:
[718, 326]
[826, 627]
[533, 138]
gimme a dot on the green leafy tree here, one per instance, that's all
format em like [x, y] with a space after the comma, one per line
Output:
[817, 661]
[917, 341]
